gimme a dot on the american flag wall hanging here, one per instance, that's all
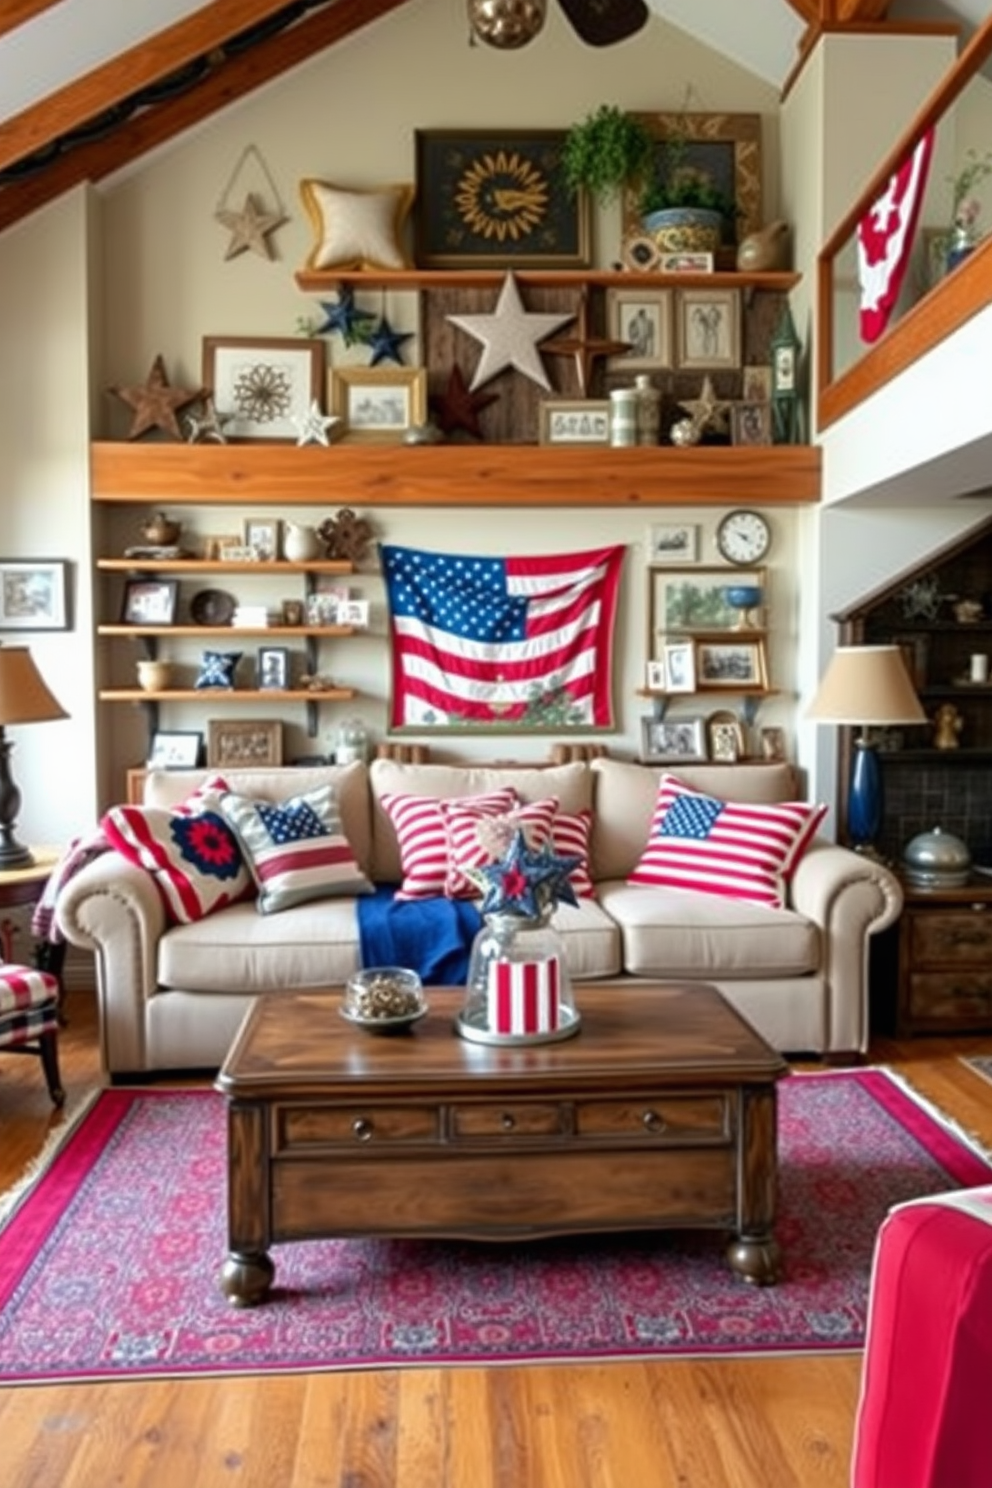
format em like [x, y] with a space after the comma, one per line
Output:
[484, 642]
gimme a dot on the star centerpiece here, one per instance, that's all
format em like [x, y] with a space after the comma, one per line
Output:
[526, 881]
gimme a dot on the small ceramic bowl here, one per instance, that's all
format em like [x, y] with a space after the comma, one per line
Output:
[384, 999]
[743, 596]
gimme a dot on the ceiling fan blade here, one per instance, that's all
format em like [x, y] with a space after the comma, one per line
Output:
[602, 22]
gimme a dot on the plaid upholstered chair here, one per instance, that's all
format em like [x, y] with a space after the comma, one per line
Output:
[29, 1019]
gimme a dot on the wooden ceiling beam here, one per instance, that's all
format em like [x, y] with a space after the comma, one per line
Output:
[826, 12]
[230, 80]
[14, 13]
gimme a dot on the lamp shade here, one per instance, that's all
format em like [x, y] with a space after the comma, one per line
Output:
[24, 698]
[865, 685]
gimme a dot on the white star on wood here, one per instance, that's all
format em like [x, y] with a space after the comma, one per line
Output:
[509, 337]
[249, 228]
[707, 411]
[312, 427]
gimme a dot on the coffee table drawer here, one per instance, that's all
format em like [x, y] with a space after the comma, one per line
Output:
[350, 1126]
[665, 1118]
[510, 1119]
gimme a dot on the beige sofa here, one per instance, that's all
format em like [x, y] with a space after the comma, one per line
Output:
[172, 997]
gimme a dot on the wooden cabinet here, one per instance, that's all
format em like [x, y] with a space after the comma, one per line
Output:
[945, 959]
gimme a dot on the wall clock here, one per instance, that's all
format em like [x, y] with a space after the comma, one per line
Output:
[743, 537]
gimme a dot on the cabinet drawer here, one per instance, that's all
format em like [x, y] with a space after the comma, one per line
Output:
[512, 1119]
[668, 1118]
[354, 1126]
[964, 996]
[951, 938]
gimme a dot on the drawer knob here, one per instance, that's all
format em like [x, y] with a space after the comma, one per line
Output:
[507, 1121]
[362, 1127]
[653, 1121]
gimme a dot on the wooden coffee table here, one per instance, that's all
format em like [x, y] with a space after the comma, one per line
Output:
[659, 1113]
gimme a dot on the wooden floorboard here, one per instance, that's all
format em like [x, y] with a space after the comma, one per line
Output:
[735, 1423]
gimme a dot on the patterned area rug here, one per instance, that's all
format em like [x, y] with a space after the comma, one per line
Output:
[109, 1263]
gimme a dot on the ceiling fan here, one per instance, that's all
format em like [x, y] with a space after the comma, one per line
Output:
[509, 24]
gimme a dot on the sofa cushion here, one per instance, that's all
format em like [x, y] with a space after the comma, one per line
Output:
[670, 933]
[189, 849]
[733, 849]
[570, 839]
[422, 834]
[241, 951]
[295, 849]
[624, 797]
[477, 838]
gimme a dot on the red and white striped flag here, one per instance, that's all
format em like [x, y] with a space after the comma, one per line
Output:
[522, 996]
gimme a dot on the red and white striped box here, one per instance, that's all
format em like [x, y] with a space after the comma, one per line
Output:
[522, 996]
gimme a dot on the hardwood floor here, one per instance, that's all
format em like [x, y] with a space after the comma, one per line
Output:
[758, 1423]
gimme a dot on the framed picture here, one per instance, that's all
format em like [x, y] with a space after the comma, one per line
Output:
[378, 404]
[643, 318]
[497, 198]
[731, 663]
[34, 594]
[756, 384]
[237, 552]
[180, 750]
[149, 601]
[685, 263]
[243, 743]
[773, 743]
[724, 737]
[670, 739]
[697, 601]
[272, 668]
[708, 329]
[263, 383]
[726, 148]
[673, 542]
[751, 423]
[680, 666]
[656, 676]
[354, 612]
[261, 535]
[574, 421]
[292, 612]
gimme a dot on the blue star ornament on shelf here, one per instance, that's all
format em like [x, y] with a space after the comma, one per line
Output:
[526, 881]
[344, 316]
[313, 426]
[384, 343]
[510, 337]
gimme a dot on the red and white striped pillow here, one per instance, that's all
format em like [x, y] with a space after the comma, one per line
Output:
[570, 837]
[422, 834]
[736, 849]
[476, 838]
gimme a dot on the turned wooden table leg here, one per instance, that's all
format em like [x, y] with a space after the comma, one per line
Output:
[248, 1271]
[754, 1253]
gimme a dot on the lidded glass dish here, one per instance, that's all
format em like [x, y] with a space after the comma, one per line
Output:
[384, 999]
[519, 990]
[936, 860]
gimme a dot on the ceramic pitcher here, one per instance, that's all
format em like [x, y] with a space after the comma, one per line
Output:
[300, 542]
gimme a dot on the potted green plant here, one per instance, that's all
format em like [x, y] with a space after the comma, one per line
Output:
[681, 206]
[605, 152]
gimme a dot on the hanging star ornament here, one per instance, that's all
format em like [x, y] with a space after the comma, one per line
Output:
[526, 881]
[313, 426]
[585, 349]
[456, 408]
[384, 343]
[344, 316]
[155, 403]
[510, 336]
[249, 228]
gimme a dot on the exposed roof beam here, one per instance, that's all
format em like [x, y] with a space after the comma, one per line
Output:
[15, 12]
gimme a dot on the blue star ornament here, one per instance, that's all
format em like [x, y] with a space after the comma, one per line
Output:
[384, 343]
[344, 316]
[525, 881]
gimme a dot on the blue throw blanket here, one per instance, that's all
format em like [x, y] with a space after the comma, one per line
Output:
[430, 936]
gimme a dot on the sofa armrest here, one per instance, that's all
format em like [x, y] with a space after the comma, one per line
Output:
[851, 897]
[112, 908]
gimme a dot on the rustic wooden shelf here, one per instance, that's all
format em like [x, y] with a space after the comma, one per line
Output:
[282, 631]
[226, 695]
[216, 566]
[325, 281]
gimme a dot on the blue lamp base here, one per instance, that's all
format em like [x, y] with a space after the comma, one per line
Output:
[864, 801]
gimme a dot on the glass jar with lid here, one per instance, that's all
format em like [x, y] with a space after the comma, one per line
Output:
[519, 990]
[351, 741]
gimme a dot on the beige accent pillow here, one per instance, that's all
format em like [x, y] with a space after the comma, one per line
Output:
[357, 229]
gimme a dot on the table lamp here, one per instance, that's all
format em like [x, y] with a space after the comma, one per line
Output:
[865, 686]
[24, 698]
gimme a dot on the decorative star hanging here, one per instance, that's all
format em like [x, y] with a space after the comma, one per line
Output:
[384, 343]
[457, 408]
[155, 403]
[510, 337]
[586, 349]
[526, 881]
[708, 411]
[312, 427]
[207, 427]
[344, 316]
[249, 228]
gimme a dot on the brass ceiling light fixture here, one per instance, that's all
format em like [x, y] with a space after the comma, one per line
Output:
[506, 24]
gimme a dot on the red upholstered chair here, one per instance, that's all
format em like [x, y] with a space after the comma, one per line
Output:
[923, 1417]
[29, 1005]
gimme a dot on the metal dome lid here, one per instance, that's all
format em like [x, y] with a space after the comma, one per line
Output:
[937, 859]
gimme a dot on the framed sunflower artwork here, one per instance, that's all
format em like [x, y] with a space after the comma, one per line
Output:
[497, 199]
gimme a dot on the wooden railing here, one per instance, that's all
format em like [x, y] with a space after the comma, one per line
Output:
[941, 310]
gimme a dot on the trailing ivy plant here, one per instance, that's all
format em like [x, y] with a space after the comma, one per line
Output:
[606, 151]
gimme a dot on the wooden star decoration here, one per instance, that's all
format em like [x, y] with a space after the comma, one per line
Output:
[249, 228]
[586, 349]
[155, 403]
[708, 411]
[385, 343]
[457, 408]
[510, 336]
[313, 426]
[344, 316]
[208, 426]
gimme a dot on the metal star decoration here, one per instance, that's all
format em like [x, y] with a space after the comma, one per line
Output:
[344, 316]
[510, 337]
[526, 881]
[249, 228]
[586, 349]
[207, 427]
[155, 403]
[457, 408]
[312, 427]
[708, 411]
[384, 343]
